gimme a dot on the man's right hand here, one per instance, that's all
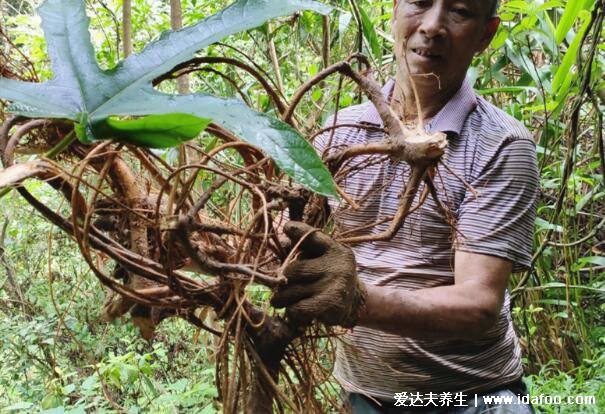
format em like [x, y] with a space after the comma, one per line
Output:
[322, 281]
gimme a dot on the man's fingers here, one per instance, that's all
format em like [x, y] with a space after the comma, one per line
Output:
[292, 293]
[315, 243]
[300, 318]
[304, 311]
[305, 270]
[296, 229]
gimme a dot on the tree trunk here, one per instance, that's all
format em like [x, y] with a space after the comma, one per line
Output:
[176, 22]
[272, 51]
[127, 27]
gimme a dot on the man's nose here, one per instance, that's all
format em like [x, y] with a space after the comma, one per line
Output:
[433, 21]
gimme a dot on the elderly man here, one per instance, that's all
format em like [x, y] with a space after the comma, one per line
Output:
[429, 310]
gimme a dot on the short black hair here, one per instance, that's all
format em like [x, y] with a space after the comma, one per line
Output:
[493, 8]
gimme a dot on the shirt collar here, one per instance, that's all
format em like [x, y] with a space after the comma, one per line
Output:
[450, 118]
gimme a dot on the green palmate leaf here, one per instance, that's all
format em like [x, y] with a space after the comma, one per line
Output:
[295, 156]
[156, 131]
[82, 92]
[80, 85]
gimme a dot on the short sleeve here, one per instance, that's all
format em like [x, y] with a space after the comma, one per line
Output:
[498, 220]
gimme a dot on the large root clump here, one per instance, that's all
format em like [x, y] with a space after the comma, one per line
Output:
[190, 239]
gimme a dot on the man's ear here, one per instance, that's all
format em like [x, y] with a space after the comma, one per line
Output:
[394, 10]
[489, 31]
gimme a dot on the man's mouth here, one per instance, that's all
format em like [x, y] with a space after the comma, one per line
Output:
[426, 53]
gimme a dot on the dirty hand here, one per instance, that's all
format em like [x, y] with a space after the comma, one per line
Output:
[322, 281]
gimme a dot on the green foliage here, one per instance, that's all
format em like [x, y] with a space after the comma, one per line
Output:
[539, 61]
[369, 32]
[58, 357]
[80, 91]
[588, 380]
[157, 131]
[534, 70]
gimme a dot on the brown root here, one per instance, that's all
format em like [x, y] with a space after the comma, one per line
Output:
[220, 219]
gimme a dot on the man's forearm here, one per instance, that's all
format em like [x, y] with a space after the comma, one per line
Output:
[446, 312]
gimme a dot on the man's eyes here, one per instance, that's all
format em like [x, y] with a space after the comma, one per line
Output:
[462, 12]
[421, 3]
[462, 9]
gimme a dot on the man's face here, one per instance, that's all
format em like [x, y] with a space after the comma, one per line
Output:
[440, 37]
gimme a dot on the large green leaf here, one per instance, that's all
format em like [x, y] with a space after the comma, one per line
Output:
[82, 92]
[294, 155]
[157, 131]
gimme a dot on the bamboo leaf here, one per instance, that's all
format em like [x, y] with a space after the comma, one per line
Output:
[570, 57]
[592, 260]
[508, 89]
[370, 33]
[570, 16]
[542, 224]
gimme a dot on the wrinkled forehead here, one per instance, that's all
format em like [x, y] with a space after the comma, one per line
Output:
[489, 6]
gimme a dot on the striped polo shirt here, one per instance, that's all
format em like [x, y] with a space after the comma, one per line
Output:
[496, 155]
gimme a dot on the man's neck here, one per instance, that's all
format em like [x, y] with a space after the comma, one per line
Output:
[431, 99]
